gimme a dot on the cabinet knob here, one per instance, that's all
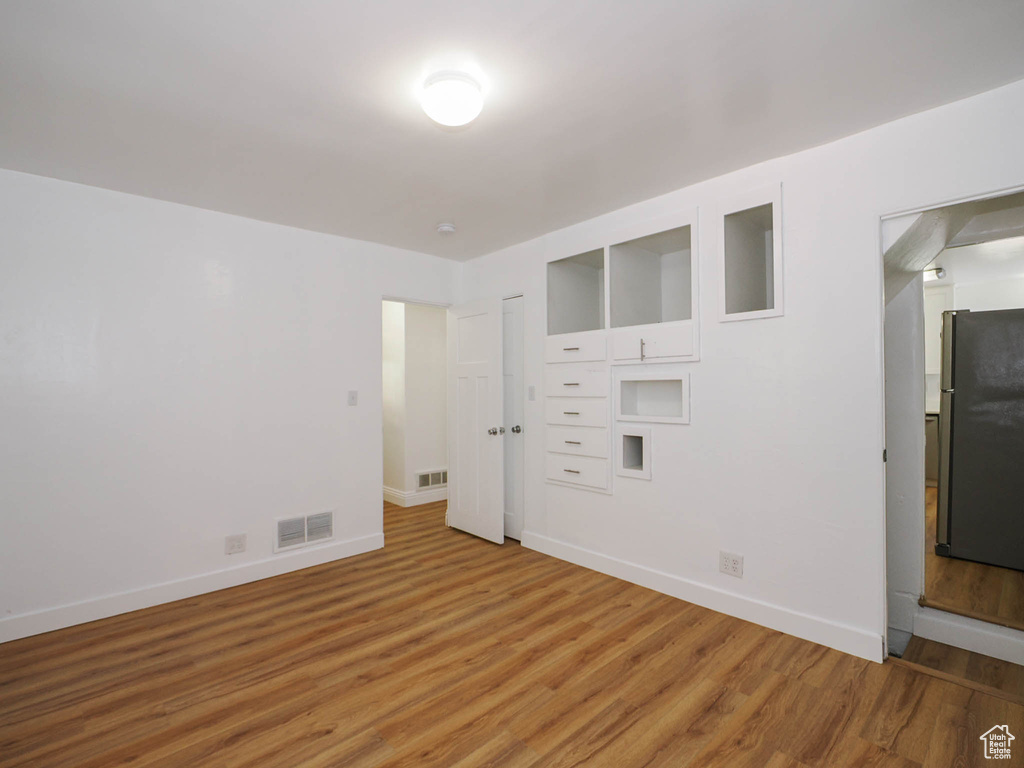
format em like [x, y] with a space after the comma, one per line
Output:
[517, 429]
[492, 431]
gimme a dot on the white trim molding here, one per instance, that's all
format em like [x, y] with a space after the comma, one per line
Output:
[859, 642]
[412, 498]
[24, 625]
[970, 634]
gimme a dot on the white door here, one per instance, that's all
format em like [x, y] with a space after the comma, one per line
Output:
[513, 362]
[476, 471]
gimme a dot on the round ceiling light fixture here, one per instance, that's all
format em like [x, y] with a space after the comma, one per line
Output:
[446, 228]
[451, 98]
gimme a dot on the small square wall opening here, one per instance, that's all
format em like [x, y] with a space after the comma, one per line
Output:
[633, 452]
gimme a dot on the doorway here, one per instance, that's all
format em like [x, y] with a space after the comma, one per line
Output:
[961, 257]
[416, 411]
[414, 423]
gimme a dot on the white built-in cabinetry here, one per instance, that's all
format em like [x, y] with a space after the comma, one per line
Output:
[623, 324]
[628, 303]
[652, 295]
[576, 409]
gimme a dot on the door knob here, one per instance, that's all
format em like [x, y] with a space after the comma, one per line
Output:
[492, 431]
[517, 429]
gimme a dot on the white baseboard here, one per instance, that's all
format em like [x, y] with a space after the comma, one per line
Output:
[970, 634]
[859, 642]
[412, 498]
[14, 627]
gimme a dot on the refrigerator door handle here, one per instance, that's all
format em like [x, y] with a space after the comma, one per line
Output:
[948, 331]
[945, 465]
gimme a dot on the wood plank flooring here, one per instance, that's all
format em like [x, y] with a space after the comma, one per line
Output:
[445, 650]
[974, 667]
[979, 591]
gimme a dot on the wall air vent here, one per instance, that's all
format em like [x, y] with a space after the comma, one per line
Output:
[320, 526]
[295, 532]
[432, 479]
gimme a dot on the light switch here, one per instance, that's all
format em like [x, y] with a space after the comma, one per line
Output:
[531, 393]
[353, 397]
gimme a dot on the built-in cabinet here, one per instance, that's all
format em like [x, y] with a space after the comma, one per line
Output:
[623, 324]
[576, 293]
[577, 414]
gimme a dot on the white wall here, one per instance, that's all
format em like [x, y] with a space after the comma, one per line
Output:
[169, 376]
[426, 392]
[415, 400]
[1007, 293]
[782, 461]
[904, 432]
[393, 352]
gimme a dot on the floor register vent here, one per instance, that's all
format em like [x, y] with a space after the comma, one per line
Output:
[430, 479]
[294, 532]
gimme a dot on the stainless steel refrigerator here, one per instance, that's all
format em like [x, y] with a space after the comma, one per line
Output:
[981, 438]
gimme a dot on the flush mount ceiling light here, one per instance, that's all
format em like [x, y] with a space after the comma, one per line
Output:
[451, 98]
[935, 273]
[446, 228]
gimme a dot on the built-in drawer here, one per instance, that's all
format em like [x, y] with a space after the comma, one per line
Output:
[583, 380]
[576, 347]
[579, 441]
[651, 342]
[580, 470]
[577, 411]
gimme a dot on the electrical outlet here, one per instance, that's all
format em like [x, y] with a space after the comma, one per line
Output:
[731, 563]
[234, 544]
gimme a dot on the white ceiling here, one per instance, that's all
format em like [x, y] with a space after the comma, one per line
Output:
[982, 262]
[304, 113]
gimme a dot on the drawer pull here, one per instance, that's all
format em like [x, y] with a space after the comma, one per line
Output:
[573, 442]
[571, 413]
[570, 383]
[572, 471]
[570, 349]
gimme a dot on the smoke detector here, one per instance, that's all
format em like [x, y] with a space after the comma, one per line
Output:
[446, 228]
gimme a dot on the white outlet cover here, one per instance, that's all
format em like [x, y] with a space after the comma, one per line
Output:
[730, 564]
[234, 544]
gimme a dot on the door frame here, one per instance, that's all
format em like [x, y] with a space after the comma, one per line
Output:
[522, 484]
[957, 626]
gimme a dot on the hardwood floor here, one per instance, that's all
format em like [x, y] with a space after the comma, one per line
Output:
[973, 667]
[445, 650]
[979, 591]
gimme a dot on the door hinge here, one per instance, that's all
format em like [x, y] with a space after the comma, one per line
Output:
[885, 455]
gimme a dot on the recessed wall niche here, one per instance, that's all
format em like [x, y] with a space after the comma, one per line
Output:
[634, 453]
[751, 256]
[576, 293]
[651, 279]
[653, 396]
